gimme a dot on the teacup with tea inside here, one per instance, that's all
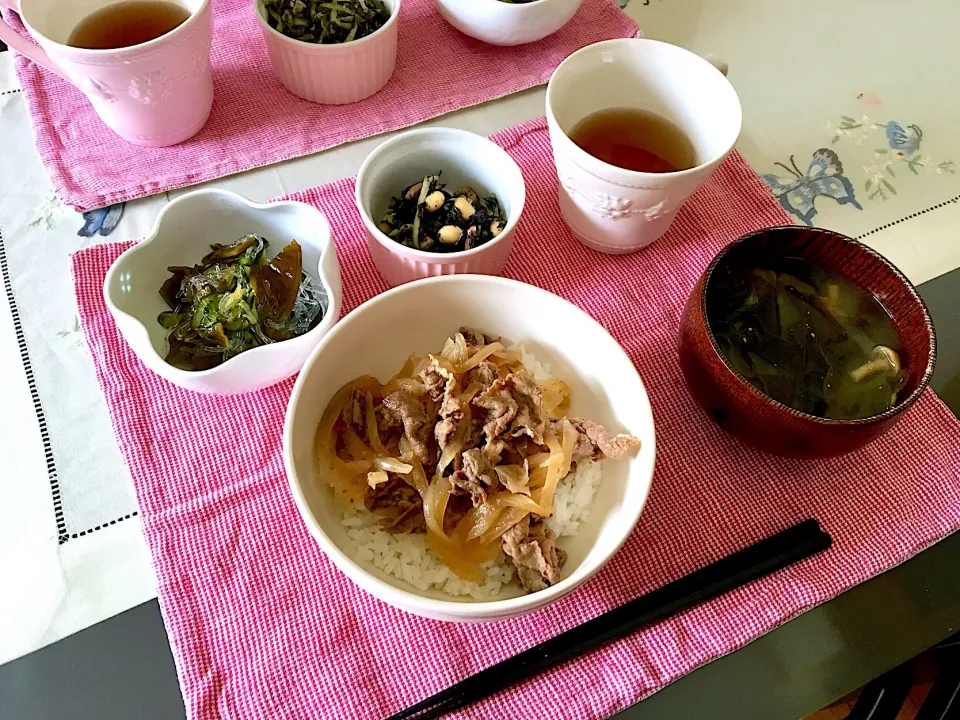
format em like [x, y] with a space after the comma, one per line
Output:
[127, 23]
[143, 64]
[637, 126]
[635, 139]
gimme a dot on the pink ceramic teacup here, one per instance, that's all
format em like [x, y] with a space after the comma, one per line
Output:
[153, 94]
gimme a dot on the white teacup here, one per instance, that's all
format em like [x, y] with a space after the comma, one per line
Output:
[611, 209]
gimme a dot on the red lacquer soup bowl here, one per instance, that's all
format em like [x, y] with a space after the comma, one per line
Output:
[758, 420]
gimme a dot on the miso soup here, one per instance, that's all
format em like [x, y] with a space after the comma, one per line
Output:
[806, 337]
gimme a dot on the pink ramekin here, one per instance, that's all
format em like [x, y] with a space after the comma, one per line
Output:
[333, 74]
[464, 159]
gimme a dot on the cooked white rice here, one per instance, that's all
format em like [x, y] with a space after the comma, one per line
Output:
[408, 557]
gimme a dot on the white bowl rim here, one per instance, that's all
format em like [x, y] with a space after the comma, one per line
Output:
[636, 175]
[445, 258]
[465, 610]
[154, 231]
[329, 47]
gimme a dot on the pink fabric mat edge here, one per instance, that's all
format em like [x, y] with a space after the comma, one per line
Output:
[90, 167]
[658, 655]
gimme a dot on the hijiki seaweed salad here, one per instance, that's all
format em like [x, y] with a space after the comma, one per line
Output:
[426, 216]
[326, 23]
[461, 472]
[236, 299]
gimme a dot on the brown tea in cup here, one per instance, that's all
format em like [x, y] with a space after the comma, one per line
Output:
[127, 23]
[635, 140]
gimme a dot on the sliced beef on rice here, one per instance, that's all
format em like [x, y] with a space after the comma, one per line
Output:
[475, 434]
[387, 419]
[354, 412]
[402, 407]
[517, 450]
[446, 429]
[595, 443]
[398, 506]
[485, 374]
[434, 382]
[475, 476]
[475, 338]
[423, 412]
[530, 420]
[451, 410]
[501, 409]
[513, 404]
[532, 549]
[493, 451]
[450, 413]
[438, 381]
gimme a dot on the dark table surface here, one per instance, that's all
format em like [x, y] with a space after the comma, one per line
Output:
[122, 668]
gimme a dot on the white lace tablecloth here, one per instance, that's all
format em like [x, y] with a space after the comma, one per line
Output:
[850, 116]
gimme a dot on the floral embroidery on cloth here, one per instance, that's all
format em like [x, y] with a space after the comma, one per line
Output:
[825, 175]
[47, 212]
[902, 153]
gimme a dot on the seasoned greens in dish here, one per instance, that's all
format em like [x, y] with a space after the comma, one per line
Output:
[326, 23]
[237, 299]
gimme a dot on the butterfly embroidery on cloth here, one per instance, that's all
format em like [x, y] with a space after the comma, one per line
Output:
[900, 140]
[824, 176]
[103, 221]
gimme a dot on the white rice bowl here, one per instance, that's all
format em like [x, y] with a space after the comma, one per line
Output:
[377, 338]
[408, 557]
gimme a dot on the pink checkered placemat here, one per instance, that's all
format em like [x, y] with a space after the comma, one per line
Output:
[256, 122]
[263, 625]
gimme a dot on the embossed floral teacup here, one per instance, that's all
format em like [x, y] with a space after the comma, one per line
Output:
[611, 209]
[154, 94]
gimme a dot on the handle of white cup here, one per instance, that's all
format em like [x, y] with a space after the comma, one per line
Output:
[23, 46]
[718, 62]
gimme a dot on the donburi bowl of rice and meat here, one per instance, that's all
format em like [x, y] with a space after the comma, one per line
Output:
[469, 448]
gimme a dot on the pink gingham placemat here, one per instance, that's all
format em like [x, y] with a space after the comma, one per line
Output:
[255, 121]
[263, 625]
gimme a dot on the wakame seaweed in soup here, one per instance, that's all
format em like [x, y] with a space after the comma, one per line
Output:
[806, 337]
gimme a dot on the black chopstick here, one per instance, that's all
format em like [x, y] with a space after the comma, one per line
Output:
[762, 558]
